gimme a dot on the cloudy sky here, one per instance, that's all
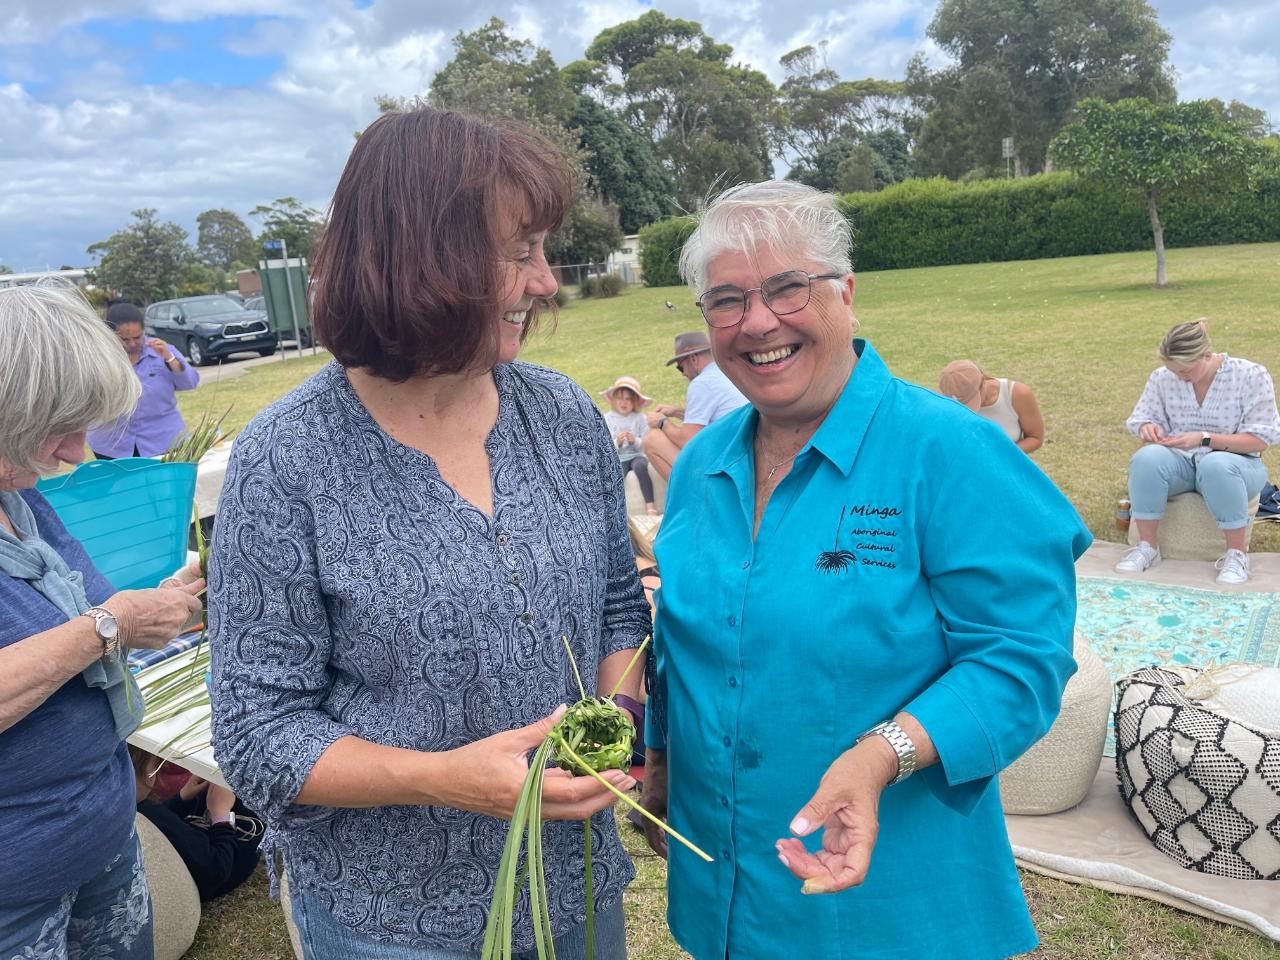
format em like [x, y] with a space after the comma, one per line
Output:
[184, 105]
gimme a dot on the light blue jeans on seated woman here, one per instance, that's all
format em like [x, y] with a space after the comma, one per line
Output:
[324, 938]
[1227, 481]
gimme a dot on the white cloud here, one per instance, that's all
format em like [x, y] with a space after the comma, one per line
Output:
[92, 144]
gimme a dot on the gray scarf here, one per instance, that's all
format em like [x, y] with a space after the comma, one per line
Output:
[29, 558]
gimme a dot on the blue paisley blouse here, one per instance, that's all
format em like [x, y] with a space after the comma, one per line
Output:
[354, 592]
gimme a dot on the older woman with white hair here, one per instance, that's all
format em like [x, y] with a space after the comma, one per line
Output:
[72, 882]
[856, 628]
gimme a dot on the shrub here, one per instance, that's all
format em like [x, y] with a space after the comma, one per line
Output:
[561, 298]
[608, 285]
[660, 245]
[590, 287]
[922, 223]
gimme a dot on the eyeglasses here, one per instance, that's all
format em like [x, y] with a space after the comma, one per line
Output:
[783, 293]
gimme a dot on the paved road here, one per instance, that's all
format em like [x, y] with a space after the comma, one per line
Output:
[236, 364]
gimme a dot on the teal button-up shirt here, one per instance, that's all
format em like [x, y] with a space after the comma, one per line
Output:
[913, 559]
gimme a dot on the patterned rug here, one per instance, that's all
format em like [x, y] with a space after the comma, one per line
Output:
[1132, 624]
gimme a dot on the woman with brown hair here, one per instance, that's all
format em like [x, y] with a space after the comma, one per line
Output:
[402, 544]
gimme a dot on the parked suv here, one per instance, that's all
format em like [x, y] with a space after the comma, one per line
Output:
[209, 328]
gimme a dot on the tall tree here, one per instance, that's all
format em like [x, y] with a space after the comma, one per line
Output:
[288, 220]
[223, 239]
[144, 261]
[498, 76]
[707, 118]
[1020, 66]
[621, 165]
[817, 109]
[1154, 149]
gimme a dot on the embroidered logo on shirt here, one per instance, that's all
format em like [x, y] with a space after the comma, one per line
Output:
[873, 543]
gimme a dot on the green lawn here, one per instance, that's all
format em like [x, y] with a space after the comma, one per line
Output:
[1081, 331]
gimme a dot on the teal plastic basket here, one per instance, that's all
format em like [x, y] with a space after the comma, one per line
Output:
[131, 515]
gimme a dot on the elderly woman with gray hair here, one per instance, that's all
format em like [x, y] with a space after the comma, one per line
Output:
[72, 882]
[855, 630]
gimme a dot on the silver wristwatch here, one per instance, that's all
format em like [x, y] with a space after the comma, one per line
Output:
[107, 629]
[902, 746]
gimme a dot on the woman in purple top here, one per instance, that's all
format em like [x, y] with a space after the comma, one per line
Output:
[162, 370]
[72, 882]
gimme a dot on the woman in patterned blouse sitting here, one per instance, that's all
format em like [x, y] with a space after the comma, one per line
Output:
[1204, 420]
[402, 543]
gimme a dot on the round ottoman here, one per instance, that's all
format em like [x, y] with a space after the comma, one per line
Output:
[1057, 771]
[175, 902]
[1188, 531]
[1198, 762]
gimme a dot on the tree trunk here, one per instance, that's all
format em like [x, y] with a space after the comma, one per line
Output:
[1157, 231]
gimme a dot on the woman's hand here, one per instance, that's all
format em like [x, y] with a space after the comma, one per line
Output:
[151, 618]
[219, 801]
[653, 797]
[847, 807]
[1150, 433]
[193, 787]
[486, 777]
[1182, 441]
[160, 347]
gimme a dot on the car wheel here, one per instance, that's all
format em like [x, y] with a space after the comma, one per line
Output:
[195, 352]
[305, 337]
[267, 352]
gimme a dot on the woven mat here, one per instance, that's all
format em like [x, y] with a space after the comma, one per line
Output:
[1132, 624]
[1099, 843]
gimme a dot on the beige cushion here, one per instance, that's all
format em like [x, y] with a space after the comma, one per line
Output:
[175, 902]
[1189, 532]
[1058, 770]
[635, 501]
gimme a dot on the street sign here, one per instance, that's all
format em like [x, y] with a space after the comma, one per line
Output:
[1006, 148]
[272, 244]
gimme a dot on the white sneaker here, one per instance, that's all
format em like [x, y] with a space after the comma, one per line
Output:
[1234, 565]
[1141, 557]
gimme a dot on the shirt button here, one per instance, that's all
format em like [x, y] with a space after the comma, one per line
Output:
[503, 539]
[733, 620]
[745, 564]
[728, 741]
[724, 801]
[733, 681]
[526, 618]
[725, 854]
[515, 576]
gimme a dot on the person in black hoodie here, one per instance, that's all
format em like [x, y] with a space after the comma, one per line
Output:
[216, 836]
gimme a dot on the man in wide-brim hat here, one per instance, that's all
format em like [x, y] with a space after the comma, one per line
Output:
[709, 397]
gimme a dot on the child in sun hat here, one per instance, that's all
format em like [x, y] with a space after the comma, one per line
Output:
[627, 425]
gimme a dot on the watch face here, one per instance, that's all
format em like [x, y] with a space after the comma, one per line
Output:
[108, 628]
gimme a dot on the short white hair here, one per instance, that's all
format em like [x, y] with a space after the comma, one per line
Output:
[63, 370]
[781, 216]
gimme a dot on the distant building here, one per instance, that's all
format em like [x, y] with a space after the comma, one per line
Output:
[74, 275]
[625, 261]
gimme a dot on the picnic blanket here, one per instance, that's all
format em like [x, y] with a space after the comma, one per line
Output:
[140, 659]
[1099, 843]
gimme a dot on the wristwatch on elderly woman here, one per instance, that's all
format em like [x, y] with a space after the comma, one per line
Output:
[902, 746]
[107, 629]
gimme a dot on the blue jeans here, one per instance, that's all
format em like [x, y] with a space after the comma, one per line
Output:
[109, 918]
[1227, 481]
[324, 938]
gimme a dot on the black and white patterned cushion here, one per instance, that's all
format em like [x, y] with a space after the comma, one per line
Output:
[1204, 788]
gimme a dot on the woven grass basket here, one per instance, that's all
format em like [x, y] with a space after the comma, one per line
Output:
[1056, 773]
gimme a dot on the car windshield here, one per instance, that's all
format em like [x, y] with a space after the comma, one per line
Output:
[207, 308]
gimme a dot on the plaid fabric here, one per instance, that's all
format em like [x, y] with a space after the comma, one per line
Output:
[139, 659]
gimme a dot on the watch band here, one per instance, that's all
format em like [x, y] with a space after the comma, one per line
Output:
[633, 707]
[902, 746]
[110, 637]
[1206, 439]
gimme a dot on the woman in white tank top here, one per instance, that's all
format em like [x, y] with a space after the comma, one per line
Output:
[1007, 403]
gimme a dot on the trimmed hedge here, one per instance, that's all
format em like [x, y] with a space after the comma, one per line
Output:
[923, 223]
